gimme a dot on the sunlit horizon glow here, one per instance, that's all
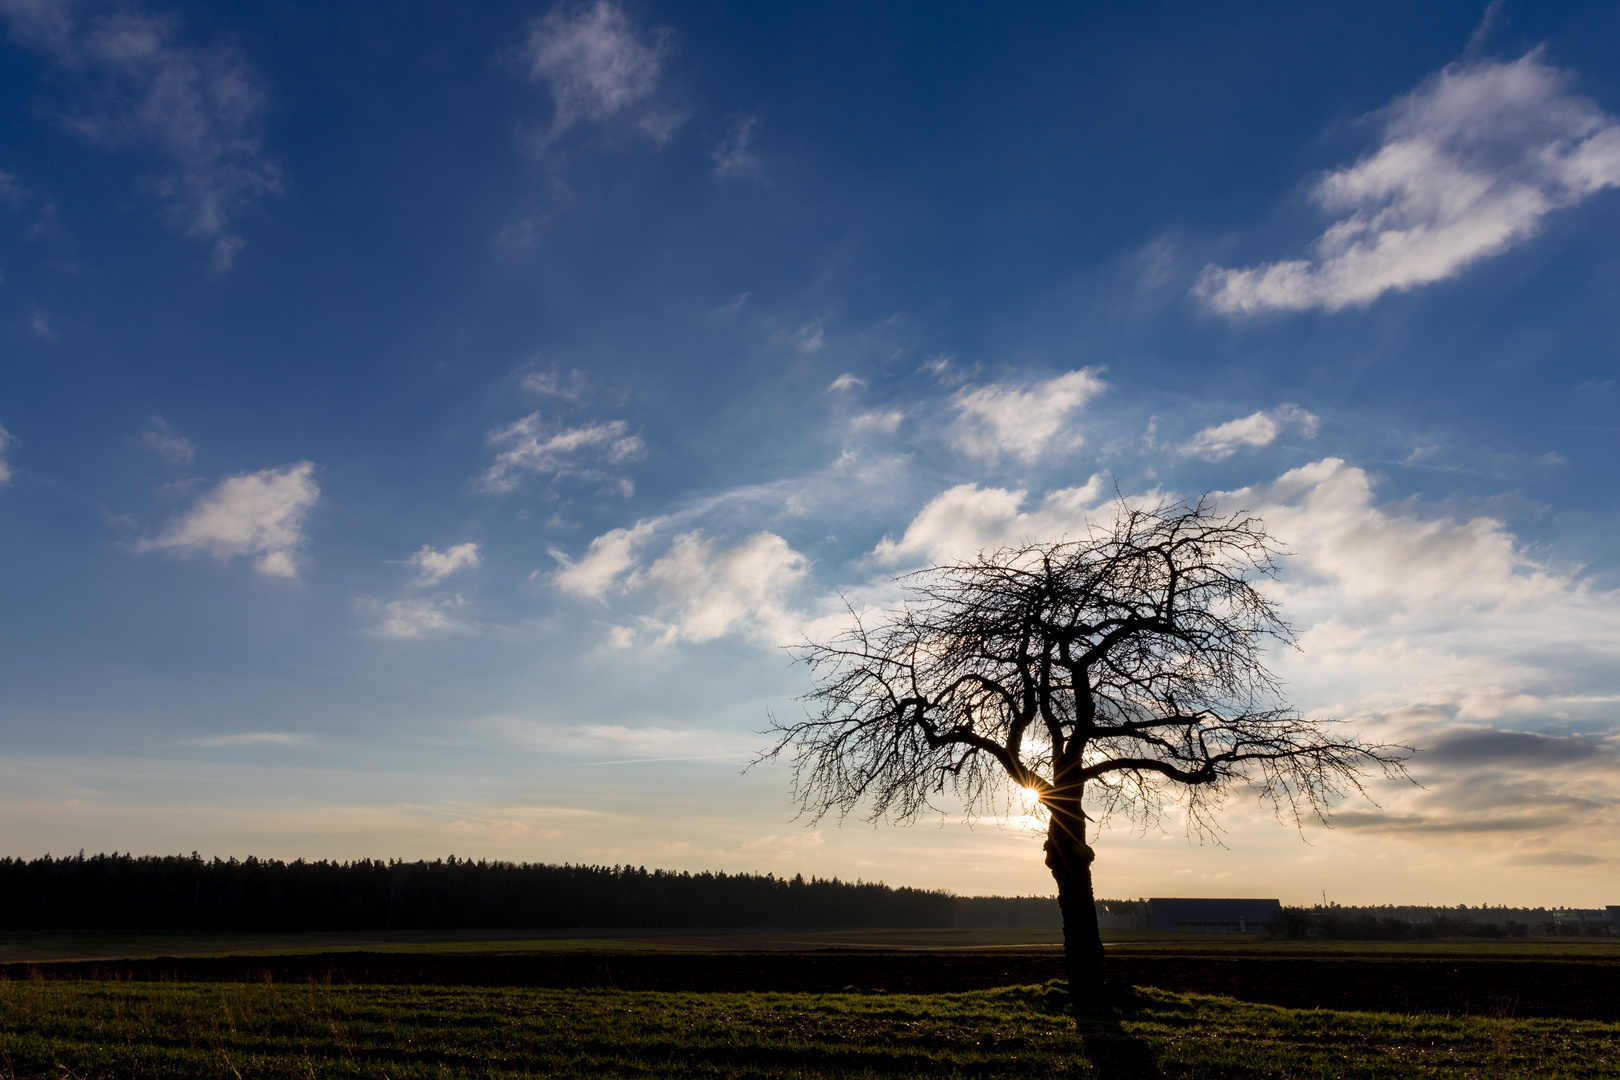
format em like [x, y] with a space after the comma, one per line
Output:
[431, 437]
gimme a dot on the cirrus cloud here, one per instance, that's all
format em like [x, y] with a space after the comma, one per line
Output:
[531, 446]
[198, 107]
[597, 66]
[168, 443]
[416, 618]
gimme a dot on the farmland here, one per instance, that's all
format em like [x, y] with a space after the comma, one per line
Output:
[835, 1003]
[116, 1029]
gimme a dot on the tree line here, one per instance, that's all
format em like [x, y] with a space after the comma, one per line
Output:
[1391, 923]
[123, 891]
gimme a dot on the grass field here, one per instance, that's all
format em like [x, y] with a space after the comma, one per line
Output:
[84, 1030]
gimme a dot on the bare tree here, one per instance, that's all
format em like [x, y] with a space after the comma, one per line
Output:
[1115, 673]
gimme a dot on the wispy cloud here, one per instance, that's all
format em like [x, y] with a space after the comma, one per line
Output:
[846, 381]
[198, 107]
[1257, 429]
[532, 447]
[1023, 421]
[249, 738]
[622, 744]
[261, 513]
[887, 421]
[12, 192]
[5, 444]
[416, 618]
[1556, 857]
[435, 566]
[735, 155]
[167, 443]
[597, 67]
[567, 385]
[812, 336]
[16, 197]
[1471, 164]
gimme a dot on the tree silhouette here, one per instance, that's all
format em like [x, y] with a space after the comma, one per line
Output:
[1118, 673]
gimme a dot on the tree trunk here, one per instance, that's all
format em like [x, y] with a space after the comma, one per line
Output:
[1069, 858]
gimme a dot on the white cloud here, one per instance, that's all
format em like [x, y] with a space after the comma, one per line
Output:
[413, 618]
[259, 513]
[846, 381]
[968, 519]
[167, 443]
[735, 155]
[1448, 634]
[5, 467]
[704, 587]
[709, 590]
[40, 326]
[1325, 512]
[1444, 633]
[198, 107]
[887, 421]
[1471, 163]
[435, 566]
[530, 446]
[1024, 421]
[1258, 429]
[597, 67]
[609, 558]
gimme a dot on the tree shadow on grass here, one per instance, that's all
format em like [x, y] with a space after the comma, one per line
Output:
[1114, 1052]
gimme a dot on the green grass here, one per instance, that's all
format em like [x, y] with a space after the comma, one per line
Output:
[84, 1030]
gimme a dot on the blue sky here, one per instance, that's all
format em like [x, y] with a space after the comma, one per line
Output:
[423, 427]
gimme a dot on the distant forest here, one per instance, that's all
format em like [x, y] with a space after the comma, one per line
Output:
[127, 892]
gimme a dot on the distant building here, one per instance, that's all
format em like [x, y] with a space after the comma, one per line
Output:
[1588, 920]
[1211, 915]
[1122, 915]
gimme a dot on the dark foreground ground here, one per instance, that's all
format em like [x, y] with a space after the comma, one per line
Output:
[79, 1029]
[1576, 987]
